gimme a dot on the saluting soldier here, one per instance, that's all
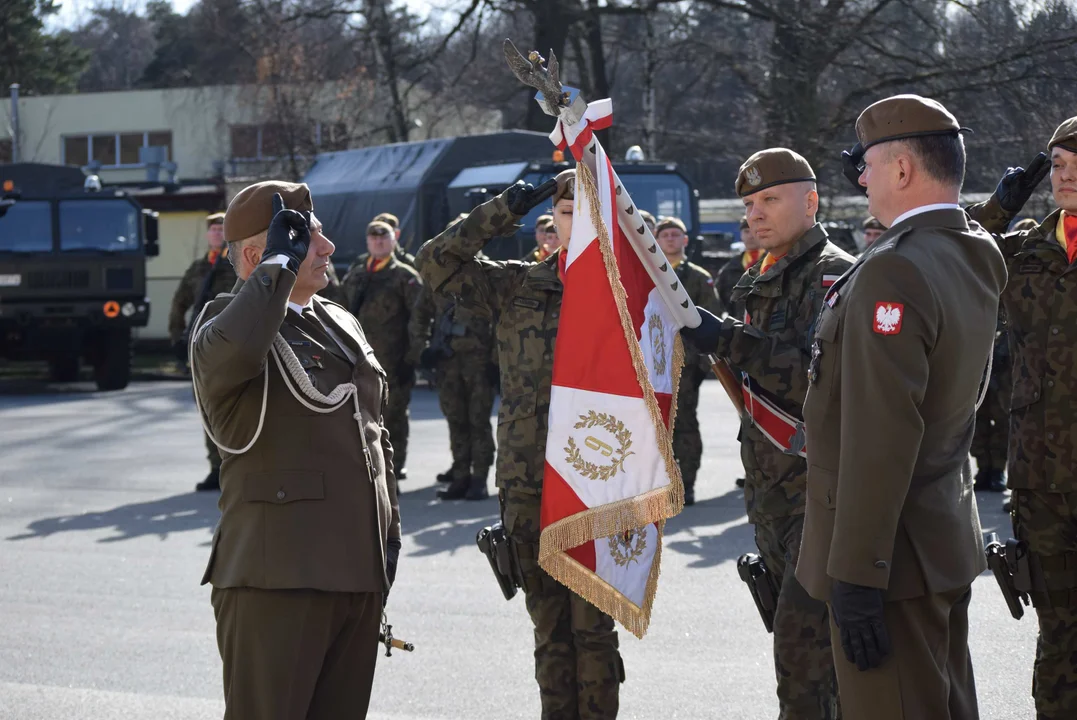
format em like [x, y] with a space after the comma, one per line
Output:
[381, 292]
[577, 663]
[672, 236]
[206, 278]
[309, 537]
[771, 348]
[892, 537]
[1041, 309]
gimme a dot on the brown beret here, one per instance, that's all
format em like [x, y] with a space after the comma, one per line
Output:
[543, 221]
[1065, 136]
[251, 211]
[215, 219]
[389, 219]
[669, 222]
[744, 223]
[380, 227]
[768, 168]
[873, 224]
[904, 116]
[566, 186]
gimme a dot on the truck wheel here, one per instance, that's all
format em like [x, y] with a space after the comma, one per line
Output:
[112, 366]
[64, 368]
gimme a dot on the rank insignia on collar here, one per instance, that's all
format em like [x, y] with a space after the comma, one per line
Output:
[888, 317]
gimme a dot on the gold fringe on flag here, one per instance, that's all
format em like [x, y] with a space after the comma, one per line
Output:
[630, 513]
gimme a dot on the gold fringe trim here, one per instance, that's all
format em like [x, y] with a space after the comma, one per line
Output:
[630, 513]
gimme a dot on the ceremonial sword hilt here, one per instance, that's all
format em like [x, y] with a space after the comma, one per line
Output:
[386, 638]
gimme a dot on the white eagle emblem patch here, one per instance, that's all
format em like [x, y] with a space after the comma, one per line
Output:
[888, 317]
[752, 176]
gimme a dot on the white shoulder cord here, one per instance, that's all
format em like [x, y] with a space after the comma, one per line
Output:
[987, 378]
[280, 349]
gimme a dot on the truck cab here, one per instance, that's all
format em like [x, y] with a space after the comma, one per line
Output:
[72, 272]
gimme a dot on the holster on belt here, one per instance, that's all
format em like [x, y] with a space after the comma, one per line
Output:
[1010, 566]
[753, 571]
[504, 557]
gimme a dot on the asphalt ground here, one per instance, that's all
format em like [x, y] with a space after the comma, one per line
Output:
[103, 543]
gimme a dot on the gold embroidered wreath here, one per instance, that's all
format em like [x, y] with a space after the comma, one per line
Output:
[658, 343]
[613, 426]
[627, 547]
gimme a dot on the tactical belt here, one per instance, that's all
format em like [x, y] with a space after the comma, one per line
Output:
[782, 429]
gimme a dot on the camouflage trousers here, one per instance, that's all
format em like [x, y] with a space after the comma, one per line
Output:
[1048, 523]
[803, 663]
[687, 441]
[577, 663]
[991, 437]
[396, 421]
[466, 396]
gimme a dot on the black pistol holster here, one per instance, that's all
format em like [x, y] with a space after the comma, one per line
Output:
[496, 545]
[1009, 564]
[756, 576]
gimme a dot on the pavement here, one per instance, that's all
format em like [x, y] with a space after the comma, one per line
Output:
[103, 543]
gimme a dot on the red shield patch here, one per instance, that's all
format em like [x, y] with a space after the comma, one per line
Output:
[888, 317]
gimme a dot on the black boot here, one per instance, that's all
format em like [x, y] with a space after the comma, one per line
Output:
[212, 481]
[989, 481]
[457, 489]
[476, 489]
[445, 477]
[689, 495]
[740, 482]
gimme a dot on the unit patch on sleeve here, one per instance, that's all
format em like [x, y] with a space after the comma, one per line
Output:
[888, 317]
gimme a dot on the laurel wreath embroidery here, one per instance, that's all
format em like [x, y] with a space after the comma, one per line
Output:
[627, 547]
[613, 426]
[658, 343]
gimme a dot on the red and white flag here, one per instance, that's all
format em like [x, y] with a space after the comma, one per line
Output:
[610, 479]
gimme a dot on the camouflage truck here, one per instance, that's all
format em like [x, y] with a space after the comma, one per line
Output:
[72, 272]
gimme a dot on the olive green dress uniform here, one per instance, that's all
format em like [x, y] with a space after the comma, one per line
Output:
[577, 663]
[298, 559]
[383, 301]
[901, 347]
[687, 441]
[465, 382]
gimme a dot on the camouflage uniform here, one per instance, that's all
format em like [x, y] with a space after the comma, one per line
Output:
[687, 442]
[333, 291]
[464, 378]
[202, 282]
[1041, 309]
[727, 278]
[990, 440]
[577, 664]
[383, 301]
[774, 350]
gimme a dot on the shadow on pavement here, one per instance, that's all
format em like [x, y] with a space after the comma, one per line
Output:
[444, 526]
[710, 550]
[179, 513]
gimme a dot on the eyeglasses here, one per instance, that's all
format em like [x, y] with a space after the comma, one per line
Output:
[378, 233]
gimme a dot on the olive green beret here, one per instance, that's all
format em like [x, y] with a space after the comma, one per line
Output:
[251, 211]
[904, 116]
[380, 227]
[389, 219]
[670, 222]
[215, 219]
[543, 221]
[566, 186]
[768, 168]
[873, 224]
[1065, 136]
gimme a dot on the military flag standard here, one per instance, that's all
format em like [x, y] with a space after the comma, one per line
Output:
[610, 477]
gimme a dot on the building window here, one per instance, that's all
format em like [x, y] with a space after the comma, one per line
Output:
[114, 150]
[5, 151]
[272, 141]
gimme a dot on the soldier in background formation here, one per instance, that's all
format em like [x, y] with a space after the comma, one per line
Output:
[394, 222]
[771, 347]
[206, 278]
[672, 237]
[1041, 311]
[577, 663]
[650, 221]
[730, 273]
[873, 230]
[382, 292]
[545, 240]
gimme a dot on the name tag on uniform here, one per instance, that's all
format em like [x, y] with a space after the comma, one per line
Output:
[525, 302]
[1030, 266]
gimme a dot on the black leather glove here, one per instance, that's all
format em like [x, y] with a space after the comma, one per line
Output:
[288, 234]
[705, 337]
[1018, 184]
[858, 613]
[392, 557]
[429, 358]
[523, 197]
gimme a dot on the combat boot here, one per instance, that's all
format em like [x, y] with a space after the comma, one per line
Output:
[445, 477]
[457, 489]
[212, 481]
[689, 495]
[476, 489]
[989, 481]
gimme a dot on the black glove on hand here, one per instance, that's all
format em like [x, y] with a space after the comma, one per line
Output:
[288, 234]
[523, 197]
[858, 613]
[1018, 184]
[706, 336]
[392, 557]
[429, 358]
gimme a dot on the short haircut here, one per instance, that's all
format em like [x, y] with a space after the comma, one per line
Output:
[235, 248]
[942, 157]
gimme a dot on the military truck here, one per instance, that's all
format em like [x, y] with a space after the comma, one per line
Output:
[72, 272]
[426, 184]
